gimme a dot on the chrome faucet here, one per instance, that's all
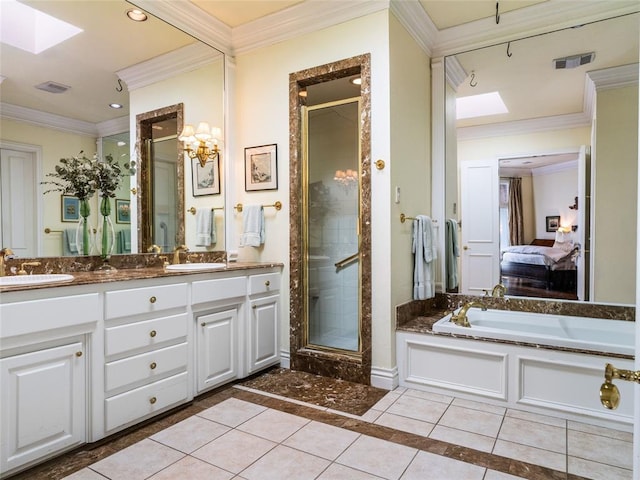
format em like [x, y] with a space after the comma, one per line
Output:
[4, 253]
[176, 253]
[461, 318]
[498, 291]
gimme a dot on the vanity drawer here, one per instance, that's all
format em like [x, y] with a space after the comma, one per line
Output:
[141, 402]
[136, 301]
[147, 333]
[218, 289]
[146, 366]
[264, 283]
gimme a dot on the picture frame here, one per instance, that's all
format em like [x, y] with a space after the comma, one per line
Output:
[70, 208]
[123, 211]
[553, 222]
[261, 168]
[206, 180]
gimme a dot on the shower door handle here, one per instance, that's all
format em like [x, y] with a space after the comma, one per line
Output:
[346, 261]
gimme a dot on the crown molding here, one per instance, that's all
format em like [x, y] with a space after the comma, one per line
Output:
[192, 20]
[300, 19]
[165, 66]
[521, 127]
[48, 120]
[615, 77]
[455, 72]
[416, 21]
[113, 126]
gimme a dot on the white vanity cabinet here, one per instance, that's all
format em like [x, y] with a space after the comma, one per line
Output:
[263, 335]
[218, 306]
[146, 353]
[43, 369]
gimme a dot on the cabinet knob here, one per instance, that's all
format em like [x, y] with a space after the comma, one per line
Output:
[153, 299]
[153, 366]
[267, 283]
[153, 333]
[153, 400]
[78, 354]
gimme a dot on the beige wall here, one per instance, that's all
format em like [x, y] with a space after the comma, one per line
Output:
[553, 193]
[615, 208]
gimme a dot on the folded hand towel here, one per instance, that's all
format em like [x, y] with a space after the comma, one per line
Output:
[204, 219]
[252, 226]
[69, 242]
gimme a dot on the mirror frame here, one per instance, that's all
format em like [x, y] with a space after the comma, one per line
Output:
[144, 124]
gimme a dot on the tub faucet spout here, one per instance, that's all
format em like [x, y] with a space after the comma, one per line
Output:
[461, 318]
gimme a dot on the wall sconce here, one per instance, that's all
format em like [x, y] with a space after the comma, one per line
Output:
[575, 204]
[346, 178]
[201, 144]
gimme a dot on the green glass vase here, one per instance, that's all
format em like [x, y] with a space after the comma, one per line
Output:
[82, 232]
[107, 236]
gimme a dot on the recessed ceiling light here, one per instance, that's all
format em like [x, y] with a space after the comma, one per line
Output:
[480, 105]
[115, 105]
[356, 80]
[121, 143]
[136, 15]
[302, 93]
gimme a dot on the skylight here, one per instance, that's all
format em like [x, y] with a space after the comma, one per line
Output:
[31, 30]
[480, 105]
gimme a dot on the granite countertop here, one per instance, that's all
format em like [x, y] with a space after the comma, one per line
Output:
[135, 273]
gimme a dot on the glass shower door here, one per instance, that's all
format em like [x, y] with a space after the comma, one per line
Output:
[332, 240]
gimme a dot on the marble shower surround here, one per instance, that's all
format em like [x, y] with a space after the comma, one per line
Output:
[354, 368]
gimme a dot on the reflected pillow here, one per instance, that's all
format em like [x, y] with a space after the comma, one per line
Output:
[564, 241]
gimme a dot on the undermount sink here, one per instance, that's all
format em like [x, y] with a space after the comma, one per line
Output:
[189, 267]
[35, 279]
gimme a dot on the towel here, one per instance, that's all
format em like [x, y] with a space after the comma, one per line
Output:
[204, 220]
[252, 226]
[124, 241]
[425, 254]
[69, 246]
[452, 253]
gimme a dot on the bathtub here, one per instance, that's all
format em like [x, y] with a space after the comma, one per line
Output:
[593, 334]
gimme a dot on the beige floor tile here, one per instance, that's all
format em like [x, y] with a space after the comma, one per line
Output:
[192, 469]
[537, 456]
[481, 406]
[418, 408]
[597, 471]
[536, 417]
[428, 466]
[533, 434]
[602, 431]
[284, 462]
[436, 397]
[137, 462]
[466, 439]
[273, 425]
[84, 474]
[405, 424]
[323, 440]
[232, 412]
[470, 420]
[493, 475]
[340, 472]
[234, 451]
[600, 449]
[378, 457]
[386, 401]
[190, 434]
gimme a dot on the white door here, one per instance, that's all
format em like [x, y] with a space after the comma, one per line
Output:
[480, 234]
[19, 197]
[583, 234]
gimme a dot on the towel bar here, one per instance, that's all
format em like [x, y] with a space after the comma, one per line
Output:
[192, 210]
[277, 206]
[48, 230]
[403, 218]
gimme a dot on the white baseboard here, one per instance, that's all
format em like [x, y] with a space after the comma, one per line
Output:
[385, 378]
[285, 359]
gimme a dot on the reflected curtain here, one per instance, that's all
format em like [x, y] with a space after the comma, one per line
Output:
[516, 223]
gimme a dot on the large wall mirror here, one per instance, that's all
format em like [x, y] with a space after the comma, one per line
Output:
[554, 166]
[143, 66]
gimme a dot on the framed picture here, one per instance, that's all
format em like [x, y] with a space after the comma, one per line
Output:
[261, 168]
[70, 211]
[553, 223]
[206, 180]
[123, 211]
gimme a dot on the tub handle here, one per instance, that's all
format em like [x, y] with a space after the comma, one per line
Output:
[609, 393]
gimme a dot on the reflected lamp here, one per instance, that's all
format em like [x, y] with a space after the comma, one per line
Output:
[201, 143]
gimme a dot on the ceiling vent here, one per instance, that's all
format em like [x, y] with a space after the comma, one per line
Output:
[574, 60]
[53, 87]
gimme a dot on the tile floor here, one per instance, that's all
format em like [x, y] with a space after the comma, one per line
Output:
[408, 434]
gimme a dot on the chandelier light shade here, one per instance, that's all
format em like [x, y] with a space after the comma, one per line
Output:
[201, 143]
